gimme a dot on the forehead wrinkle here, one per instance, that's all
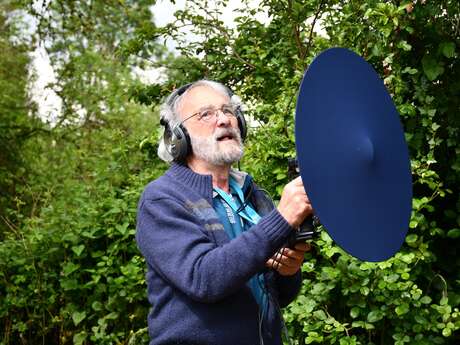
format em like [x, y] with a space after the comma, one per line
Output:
[212, 106]
[178, 104]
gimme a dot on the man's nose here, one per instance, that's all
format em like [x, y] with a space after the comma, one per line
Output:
[222, 119]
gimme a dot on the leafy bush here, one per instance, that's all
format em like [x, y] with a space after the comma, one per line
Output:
[73, 272]
[413, 297]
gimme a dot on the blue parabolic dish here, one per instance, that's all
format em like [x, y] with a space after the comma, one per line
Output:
[352, 155]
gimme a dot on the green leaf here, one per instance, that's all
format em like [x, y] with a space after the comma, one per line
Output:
[447, 49]
[354, 312]
[431, 67]
[69, 268]
[409, 29]
[404, 45]
[364, 290]
[122, 228]
[420, 319]
[318, 288]
[79, 338]
[112, 316]
[444, 301]
[392, 278]
[97, 305]
[431, 112]
[454, 233]
[375, 316]
[376, 51]
[410, 70]
[407, 258]
[69, 284]
[426, 299]
[78, 317]
[412, 238]
[402, 309]
[313, 337]
[446, 332]
[78, 249]
[320, 314]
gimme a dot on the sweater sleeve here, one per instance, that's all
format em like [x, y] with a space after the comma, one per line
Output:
[178, 247]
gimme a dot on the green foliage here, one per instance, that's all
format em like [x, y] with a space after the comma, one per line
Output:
[70, 270]
[69, 266]
[413, 297]
[17, 120]
[73, 271]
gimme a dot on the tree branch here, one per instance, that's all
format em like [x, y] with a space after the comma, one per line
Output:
[227, 36]
[310, 36]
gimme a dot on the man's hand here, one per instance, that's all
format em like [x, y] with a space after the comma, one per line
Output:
[294, 205]
[287, 261]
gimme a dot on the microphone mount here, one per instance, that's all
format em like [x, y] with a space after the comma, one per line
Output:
[309, 229]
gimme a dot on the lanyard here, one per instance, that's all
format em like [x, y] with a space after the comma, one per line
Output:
[248, 212]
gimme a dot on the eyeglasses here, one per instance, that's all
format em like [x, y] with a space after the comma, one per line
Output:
[208, 115]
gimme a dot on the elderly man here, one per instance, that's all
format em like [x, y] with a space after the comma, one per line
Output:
[211, 238]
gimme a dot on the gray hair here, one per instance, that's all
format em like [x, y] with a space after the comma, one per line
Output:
[170, 115]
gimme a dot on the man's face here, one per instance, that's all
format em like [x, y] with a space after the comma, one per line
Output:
[217, 141]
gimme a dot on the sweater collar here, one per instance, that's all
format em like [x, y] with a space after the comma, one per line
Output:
[201, 183]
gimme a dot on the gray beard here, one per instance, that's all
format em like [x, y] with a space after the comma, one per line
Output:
[216, 152]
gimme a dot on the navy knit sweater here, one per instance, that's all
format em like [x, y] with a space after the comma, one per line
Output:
[197, 276]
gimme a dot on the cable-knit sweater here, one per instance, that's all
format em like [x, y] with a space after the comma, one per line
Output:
[197, 276]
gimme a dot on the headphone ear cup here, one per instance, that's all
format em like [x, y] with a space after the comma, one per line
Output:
[180, 143]
[167, 138]
[241, 123]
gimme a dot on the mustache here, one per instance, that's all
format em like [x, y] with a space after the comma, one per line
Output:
[227, 132]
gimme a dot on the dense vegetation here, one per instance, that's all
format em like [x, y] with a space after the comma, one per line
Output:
[70, 271]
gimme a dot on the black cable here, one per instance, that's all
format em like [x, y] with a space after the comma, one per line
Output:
[265, 290]
[264, 307]
[246, 199]
[261, 313]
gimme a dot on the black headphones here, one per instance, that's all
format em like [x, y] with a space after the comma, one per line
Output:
[177, 140]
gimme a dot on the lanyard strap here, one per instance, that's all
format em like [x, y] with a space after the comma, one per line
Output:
[248, 212]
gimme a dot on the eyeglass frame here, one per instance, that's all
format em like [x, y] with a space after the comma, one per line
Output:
[233, 112]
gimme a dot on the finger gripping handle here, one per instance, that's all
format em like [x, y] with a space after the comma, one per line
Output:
[306, 231]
